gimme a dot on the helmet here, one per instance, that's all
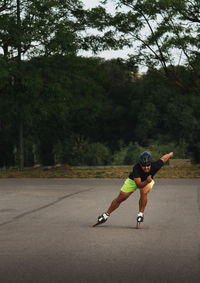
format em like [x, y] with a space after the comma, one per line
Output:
[145, 158]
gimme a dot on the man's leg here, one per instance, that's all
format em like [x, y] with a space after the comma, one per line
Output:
[114, 205]
[116, 202]
[143, 202]
[127, 189]
[143, 197]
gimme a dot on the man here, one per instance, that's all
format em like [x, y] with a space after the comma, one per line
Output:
[141, 177]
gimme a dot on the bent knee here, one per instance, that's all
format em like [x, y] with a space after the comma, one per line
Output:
[145, 191]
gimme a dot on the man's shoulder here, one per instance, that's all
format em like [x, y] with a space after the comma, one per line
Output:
[156, 163]
[136, 166]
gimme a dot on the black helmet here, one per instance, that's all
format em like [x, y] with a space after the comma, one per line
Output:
[145, 158]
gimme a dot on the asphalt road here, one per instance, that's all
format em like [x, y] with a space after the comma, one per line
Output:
[46, 232]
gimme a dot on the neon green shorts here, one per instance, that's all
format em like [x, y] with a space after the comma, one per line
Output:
[130, 186]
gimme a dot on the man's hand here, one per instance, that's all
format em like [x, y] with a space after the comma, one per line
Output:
[166, 157]
[149, 179]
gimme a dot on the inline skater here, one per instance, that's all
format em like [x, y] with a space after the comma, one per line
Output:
[141, 177]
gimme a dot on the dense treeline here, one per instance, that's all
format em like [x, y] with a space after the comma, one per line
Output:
[58, 107]
[91, 111]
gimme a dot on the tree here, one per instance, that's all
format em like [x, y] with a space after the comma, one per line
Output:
[6, 144]
[117, 76]
[35, 28]
[160, 33]
[65, 99]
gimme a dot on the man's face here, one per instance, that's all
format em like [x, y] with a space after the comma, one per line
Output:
[146, 169]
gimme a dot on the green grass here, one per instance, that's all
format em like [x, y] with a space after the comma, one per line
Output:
[97, 172]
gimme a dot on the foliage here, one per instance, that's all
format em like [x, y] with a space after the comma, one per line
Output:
[161, 33]
[76, 110]
[96, 154]
[133, 153]
[128, 155]
[195, 148]
[41, 27]
[31, 29]
[157, 150]
[85, 103]
[81, 152]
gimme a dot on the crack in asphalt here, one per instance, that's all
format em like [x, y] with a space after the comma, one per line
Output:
[42, 207]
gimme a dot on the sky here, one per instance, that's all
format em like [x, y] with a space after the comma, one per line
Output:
[109, 54]
[93, 3]
[88, 4]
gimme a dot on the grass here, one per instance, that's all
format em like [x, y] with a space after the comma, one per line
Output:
[122, 172]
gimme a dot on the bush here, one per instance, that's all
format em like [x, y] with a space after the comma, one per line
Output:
[96, 154]
[78, 151]
[128, 154]
[196, 153]
[157, 150]
[133, 152]
[81, 152]
[119, 156]
[58, 153]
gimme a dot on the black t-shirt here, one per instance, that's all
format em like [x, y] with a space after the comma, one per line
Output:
[139, 173]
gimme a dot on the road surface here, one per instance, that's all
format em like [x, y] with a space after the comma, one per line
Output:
[46, 233]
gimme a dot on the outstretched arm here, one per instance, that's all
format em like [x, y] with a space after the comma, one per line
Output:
[166, 157]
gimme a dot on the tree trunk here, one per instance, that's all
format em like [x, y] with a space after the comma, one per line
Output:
[21, 146]
[21, 136]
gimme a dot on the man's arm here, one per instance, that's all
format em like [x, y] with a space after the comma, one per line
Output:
[166, 157]
[141, 184]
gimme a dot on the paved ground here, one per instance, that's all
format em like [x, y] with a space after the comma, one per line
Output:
[46, 234]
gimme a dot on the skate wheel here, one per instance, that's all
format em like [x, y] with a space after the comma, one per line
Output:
[138, 225]
[95, 224]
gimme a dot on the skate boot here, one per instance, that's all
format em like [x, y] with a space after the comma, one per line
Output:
[102, 219]
[140, 218]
